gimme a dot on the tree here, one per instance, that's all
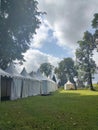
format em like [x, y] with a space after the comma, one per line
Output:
[95, 21]
[95, 26]
[54, 78]
[18, 22]
[84, 55]
[66, 71]
[46, 68]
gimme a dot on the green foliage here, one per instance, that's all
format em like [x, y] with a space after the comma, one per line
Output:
[46, 68]
[64, 110]
[66, 70]
[95, 25]
[84, 55]
[18, 23]
[95, 21]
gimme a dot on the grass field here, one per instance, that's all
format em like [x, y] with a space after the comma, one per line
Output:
[63, 110]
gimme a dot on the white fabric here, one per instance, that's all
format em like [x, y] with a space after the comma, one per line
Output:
[36, 87]
[16, 88]
[4, 84]
[25, 90]
[47, 85]
[24, 85]
[44, 87]
[33, 86]
[3, 73]
[68, 82]
[16, 83]
[30, 89]
[25, 74]
[68, 86]
[27, 84]
[37, 83]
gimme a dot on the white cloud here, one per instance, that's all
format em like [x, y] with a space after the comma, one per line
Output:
[34, 58]
[69, 19]
[41, 36]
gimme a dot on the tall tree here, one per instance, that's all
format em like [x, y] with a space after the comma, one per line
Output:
[95, 26]
[66, 71]
[46, 68]
[18, 22]
[95, 21]
[84, 55]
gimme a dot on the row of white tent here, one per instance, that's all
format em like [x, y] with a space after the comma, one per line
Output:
[14, 85]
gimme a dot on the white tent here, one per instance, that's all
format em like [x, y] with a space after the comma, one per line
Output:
[36, 84]
[14, 85]
[69, 85]
[47, 85]
[5, 85]
[31, 85]
[17, 82]
[43, 82]
[27, 84]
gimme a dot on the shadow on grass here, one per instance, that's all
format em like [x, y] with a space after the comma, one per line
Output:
[63, 110]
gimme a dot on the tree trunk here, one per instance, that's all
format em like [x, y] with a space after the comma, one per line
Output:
[90, 74]
[75, 86]
[90, 81]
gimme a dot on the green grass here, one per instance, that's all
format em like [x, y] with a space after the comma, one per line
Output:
[95, 86]
[63, 110]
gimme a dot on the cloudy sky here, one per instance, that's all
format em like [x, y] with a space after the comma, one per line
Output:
[61, 28]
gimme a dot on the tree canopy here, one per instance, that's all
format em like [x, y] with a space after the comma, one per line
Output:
[46, 68]
[18, 22]
[66, 70]
[95, 21]
[95, 26]
[84, 55]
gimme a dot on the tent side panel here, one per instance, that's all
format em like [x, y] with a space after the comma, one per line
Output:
[44, 87]
[8, 85]
[25, 91]
[16, 88]
[35, 87]
[5, 88]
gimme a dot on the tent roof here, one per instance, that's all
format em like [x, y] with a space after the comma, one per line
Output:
[38, 75]
[41, 76]
[12, 70]
[25, 74]
[34, 76]
[3, 73]
[68, 82]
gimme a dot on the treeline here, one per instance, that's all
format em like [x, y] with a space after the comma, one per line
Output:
[84, 67]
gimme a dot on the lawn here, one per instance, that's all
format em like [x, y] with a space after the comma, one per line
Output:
[63, 110]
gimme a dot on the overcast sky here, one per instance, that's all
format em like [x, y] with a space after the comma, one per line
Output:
[61, 28]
